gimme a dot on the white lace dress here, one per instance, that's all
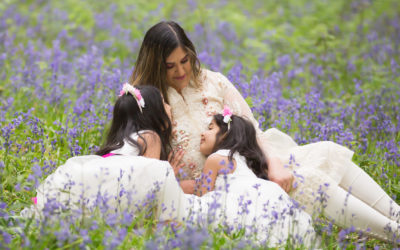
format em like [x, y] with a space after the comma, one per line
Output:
[316, 166]
[129, 183]
[263, 205]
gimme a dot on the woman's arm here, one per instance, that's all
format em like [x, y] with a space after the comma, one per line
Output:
[276, 172]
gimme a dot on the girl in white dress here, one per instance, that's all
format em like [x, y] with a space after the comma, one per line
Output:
[231, 139]
[124, 177]
[139, 131]
[236, 165]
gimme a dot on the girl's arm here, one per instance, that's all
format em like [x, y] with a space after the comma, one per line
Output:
[153, 141]
[214, 165]
[210, 172]
[188, 186]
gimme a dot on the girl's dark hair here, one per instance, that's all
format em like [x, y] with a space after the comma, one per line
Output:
[158, 43]
[241, 138]
[128, 119]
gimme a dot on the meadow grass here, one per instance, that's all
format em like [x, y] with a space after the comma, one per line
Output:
[317, 70]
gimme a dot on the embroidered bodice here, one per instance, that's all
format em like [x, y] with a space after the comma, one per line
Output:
[192, 111]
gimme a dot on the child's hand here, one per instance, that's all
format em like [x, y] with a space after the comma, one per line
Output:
[175, 160]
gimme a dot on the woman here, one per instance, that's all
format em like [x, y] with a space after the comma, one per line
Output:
[167, 59]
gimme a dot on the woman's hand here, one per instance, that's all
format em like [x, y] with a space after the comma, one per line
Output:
[175, 160]
[280, 175]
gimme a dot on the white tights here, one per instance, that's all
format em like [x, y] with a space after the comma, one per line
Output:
[360, 202]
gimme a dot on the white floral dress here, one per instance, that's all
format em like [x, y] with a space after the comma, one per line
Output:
[316, 166]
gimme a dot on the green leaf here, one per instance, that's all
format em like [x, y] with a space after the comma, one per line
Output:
[249, 101]
[42, 65]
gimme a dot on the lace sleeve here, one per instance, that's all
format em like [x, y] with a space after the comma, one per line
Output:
[239, 106]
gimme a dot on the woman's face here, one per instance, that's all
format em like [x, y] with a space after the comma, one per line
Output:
[209, 138]
[179, 70]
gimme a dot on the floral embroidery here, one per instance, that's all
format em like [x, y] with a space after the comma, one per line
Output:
[174, 137]
[205, 100]
[192, 165]
[181, 138]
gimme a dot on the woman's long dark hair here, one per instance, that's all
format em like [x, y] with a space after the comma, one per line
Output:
[158, 43]
[241, 138]
[128, 119]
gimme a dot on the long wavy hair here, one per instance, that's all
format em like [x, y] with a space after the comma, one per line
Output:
[158, 43]
[128, 119]
[241, 138]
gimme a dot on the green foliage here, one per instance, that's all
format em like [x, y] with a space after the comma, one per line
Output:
[330, 34]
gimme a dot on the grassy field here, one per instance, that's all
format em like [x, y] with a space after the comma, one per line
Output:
[317, 70]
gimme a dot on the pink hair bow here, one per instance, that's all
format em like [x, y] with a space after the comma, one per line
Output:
[227, 113]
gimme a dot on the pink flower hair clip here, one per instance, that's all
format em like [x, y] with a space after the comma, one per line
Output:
[227, 113]
[127, 88]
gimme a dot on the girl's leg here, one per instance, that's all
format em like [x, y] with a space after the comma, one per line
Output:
[362, 186]
[346, 211]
